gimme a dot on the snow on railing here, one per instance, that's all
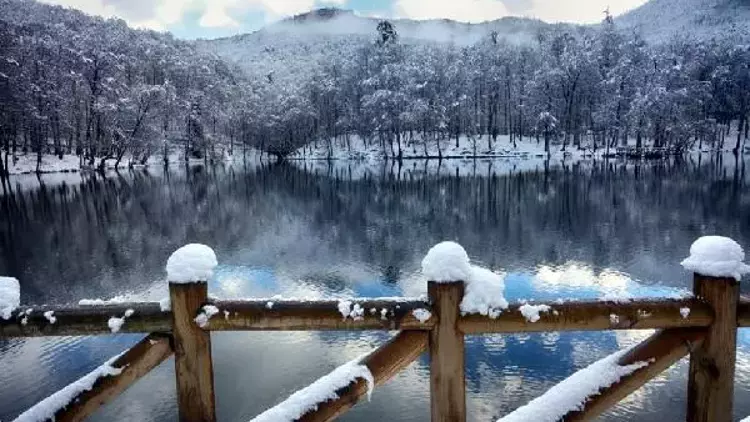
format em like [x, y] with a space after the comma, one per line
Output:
[572, 393]
[47, 408]
[321, 391]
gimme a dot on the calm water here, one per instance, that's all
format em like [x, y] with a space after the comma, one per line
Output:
[557, 230]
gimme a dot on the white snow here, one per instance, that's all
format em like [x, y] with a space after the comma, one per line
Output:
[531, 312]
[347, 309]
[97, 302]
[115, 323]
[45, 409]
[207, 312]
[716, 256]
[165, 304]
[573, 392]
[685, 312]
[484, 293]
[421, 314]
[191, 264]
[50, 315]
[384, 313]
[321, 391]
[269, 305]
[446, 262]
[10, 296]
[614, 319]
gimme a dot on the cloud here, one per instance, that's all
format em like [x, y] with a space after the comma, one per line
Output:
[583, 11]
[465, 11]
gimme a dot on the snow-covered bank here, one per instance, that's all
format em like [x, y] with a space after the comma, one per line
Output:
[27, 163]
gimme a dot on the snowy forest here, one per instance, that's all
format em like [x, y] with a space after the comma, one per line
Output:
[75, 84]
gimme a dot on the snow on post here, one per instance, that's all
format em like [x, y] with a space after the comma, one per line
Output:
[716, 256]
[317, 393]
[46, 409]
[572, 393]
[446, 262]
[484, 290]
[10, 296]
[193, 263]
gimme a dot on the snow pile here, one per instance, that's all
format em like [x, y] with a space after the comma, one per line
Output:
[206, 313]
[45, 409]
[484, 293]
[50, 316]
[423, 315]
[685, 312]
[321, 391]
[165, 304]
[115, 323]
[347, 309]
[99, 302]
[191, 264]
[446, 262]
[531, 312]
[716, 256]
[10, 296]
[573, 392]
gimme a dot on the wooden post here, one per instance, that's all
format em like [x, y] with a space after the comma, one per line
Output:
[192, 349]
[447, 381]
[711, 379]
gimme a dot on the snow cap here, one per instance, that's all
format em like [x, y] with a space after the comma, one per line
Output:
[446, 262]
[10, 296]
[191, 263]
[716, 256]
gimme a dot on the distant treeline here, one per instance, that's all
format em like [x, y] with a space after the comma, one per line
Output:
[72, 83]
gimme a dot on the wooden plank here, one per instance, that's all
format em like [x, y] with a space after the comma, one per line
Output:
[595, 315]
[712, 365]
[447, 360]
[662, 350]
[85, 320]
[384, 363]
[135, 363]
[284, 315]
[192, 347]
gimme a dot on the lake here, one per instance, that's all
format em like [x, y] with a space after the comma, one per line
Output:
[556, 229]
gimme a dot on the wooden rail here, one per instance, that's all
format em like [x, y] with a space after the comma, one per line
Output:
[707, 333]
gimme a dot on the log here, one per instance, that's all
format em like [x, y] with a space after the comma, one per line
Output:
[595, 315]
[447, 360]
[283, 315]
[135, 363]
[662, 350]
[192, 348]
[384, 363]
[84, 320]
[712, 365]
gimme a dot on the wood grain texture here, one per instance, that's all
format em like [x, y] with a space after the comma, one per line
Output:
[135, 363]
[712, 365]
[192, 347]
[447, 360]
[384, 363]
[595, 315]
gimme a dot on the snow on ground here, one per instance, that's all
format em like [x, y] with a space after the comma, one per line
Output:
[716, 256]
[26, 163]
[191, 263]
[10, 296]
[321, 391]
[45, 409]
[573, 392]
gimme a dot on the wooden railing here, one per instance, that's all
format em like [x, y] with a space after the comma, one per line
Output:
[707, 333]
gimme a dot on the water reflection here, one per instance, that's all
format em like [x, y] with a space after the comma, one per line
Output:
[578, 230]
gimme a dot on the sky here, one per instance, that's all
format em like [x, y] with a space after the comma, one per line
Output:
[217, 18]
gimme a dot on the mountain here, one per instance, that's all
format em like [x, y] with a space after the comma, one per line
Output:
[662, 20]
[291, 49]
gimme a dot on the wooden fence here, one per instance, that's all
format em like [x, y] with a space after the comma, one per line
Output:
[707, 334]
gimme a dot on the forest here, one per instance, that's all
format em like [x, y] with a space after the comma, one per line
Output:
[75, 84]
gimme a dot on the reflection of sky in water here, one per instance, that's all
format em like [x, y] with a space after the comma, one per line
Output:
[256, 370]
